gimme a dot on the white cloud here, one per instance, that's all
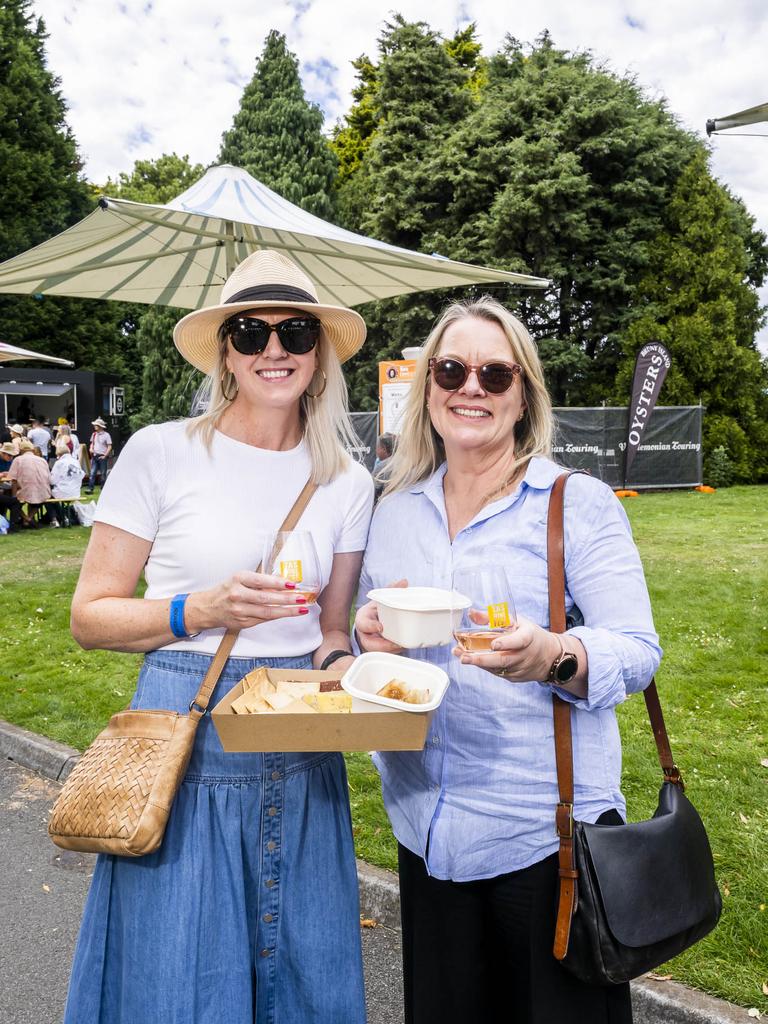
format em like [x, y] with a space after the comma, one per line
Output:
[143, 77]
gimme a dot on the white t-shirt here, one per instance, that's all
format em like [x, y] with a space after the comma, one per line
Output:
[66, 477]
[207, 515]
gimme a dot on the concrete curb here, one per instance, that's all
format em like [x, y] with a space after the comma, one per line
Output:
[653, 1001]
[39, 754]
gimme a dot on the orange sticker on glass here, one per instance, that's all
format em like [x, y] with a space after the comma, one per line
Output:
[498, 615]
[291, 570]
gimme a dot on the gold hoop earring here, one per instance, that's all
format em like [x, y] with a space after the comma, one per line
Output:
[229, 396]
[317, 394]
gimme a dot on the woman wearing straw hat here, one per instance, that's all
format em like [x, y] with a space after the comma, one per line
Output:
[249, 909]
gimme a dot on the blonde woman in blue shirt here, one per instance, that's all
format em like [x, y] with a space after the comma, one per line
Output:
[474, 811]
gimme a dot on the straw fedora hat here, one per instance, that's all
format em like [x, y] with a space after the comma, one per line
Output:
[99, 422]
[265, 280]
[16, 429]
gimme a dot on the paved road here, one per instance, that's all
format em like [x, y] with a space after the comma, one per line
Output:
[42, 890]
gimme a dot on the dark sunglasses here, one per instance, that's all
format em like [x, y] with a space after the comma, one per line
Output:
[450, 374]
[298, 334]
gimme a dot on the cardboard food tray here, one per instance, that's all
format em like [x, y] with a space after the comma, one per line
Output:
[367, 727]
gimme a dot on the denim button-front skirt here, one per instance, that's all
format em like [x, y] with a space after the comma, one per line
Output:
[249, 910]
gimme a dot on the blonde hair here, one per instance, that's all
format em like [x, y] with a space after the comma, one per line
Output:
[420, 449]
[328, 430]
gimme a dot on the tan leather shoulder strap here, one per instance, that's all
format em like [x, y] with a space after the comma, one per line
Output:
[561, 710]
[199, 705]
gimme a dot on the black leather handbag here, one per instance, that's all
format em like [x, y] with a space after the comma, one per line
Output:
[630, 896]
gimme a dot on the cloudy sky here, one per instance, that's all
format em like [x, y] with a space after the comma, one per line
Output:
[143, 77]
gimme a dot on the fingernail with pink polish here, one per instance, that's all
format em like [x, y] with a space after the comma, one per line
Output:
[303, 611]
[289, 585]
[300, 600]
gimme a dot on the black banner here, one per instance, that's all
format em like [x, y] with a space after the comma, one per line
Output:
[651, 367]
[595, 440]
[366, 426]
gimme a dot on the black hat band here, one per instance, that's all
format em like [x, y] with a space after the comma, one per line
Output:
[271, 293]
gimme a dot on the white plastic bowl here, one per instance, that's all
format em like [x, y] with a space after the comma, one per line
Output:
[373, 670]
[419, 616]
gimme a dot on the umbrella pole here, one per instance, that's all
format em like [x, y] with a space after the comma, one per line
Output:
[229, 246]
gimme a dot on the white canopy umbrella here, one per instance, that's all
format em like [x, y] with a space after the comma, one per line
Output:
[181, 253]
[8, 353]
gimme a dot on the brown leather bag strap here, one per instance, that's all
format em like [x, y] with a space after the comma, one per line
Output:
[563, 738]
[562, 717]
[199, 705]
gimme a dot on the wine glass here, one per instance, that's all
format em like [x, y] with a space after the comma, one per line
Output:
[492, 610]
[292, 554]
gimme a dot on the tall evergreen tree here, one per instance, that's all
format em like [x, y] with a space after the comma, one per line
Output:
[44, 193]
[277, 134]
[566, 169]
[167, 382]
[698, 300]
[407, 104]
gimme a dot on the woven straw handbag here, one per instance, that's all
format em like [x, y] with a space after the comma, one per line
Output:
[119, 795]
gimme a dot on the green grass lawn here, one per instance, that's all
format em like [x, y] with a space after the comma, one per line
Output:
[706, 559]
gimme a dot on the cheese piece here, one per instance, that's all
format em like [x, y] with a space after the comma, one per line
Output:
[259, 680]
[298, 707]
[248, 703]
[297, 690]
[278, 701]
[329, 703]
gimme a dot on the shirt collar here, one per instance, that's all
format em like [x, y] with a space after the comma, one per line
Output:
[540, 474]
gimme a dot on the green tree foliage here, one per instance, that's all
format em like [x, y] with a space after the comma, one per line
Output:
[155, 181]
[697, 298]
[39, 164]
[406, 106]
[540, 160]
[564, 169]
[44, 193]
[277, 134]
[167, 382]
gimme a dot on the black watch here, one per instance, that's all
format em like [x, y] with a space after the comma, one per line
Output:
[564, 667]
[329, 659]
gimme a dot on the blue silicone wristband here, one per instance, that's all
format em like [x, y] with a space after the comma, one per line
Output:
[177, 616]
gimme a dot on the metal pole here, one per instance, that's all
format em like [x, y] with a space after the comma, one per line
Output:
[229, 246]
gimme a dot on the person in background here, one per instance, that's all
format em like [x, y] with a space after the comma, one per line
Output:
[385, 445]
[17, 436]
[9, 505]
[66, 475]
[100, 448]
[69, 433]
[63, 433]
[7, 455]
[31, 482]
[41, 436]
[474, 811]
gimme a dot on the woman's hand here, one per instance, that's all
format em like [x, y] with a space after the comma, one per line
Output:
[521, 654]
[369, 628]
[245, 600]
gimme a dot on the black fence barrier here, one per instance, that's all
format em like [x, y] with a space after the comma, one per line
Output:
[595, 439]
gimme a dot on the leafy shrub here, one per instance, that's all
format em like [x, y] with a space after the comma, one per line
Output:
[718, 468]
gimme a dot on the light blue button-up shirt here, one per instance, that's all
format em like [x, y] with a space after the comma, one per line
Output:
[479, 800]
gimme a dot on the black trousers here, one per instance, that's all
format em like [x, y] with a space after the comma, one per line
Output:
[481, 953]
